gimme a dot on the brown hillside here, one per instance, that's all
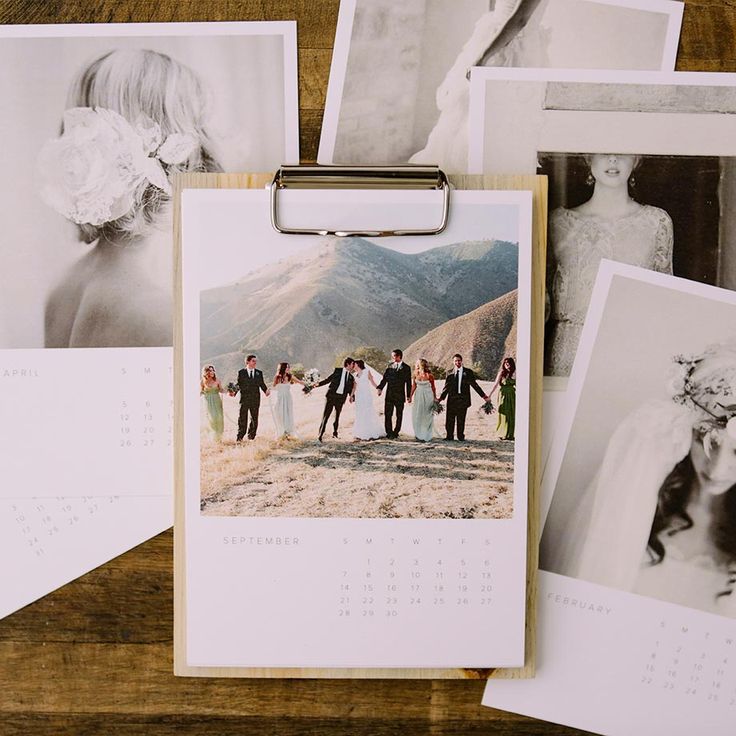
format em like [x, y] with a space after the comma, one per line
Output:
[483, 337]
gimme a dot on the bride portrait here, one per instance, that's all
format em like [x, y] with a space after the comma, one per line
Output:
[610, 224]
[133, 119]
[659, 518]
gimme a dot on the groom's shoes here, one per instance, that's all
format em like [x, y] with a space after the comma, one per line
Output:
[334, 434]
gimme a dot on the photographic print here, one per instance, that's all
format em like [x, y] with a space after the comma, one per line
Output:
[637, 554]
[644, 498]
[355, 431]
[384, 369]
[399, 84]
[97, 121]
[641, 173]
[102, 117]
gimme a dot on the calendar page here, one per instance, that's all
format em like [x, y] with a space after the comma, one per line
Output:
[102, 117]
[637, 607]
[355, 429]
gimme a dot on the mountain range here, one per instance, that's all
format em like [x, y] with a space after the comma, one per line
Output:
[348, 292]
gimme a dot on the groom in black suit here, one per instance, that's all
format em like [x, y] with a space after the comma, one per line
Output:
[457, 391]
[341, 386]
[398, 379]
[250, 385]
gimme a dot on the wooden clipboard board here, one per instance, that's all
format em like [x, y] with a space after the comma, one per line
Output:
[538, 186]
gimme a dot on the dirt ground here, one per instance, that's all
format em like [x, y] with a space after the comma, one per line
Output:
[401, 478]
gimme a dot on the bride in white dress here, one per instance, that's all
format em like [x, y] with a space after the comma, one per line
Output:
[368, 425]
[659, 519]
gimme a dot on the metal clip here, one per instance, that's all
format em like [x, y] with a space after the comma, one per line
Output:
[360, 177]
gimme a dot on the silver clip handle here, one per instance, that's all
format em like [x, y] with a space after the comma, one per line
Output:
[360, 177]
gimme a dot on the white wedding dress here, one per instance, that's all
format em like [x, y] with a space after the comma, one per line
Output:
[368, 425]
[604, 540]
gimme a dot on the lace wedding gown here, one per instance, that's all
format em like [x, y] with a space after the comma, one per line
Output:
[367, 425]
[578, 243]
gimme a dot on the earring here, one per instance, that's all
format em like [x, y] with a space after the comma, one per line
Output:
[590, 180]
[632, 181]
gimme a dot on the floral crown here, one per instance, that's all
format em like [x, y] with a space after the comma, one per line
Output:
[92, 173]
[706, 384]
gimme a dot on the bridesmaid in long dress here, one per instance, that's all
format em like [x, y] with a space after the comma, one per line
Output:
[611, 224]
[211, 388]
[506, 384]
[423, 396]
[283, 411]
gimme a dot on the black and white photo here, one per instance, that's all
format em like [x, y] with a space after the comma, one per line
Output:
[102, 118]
[399, 82]
[645, 496]
[641, 173]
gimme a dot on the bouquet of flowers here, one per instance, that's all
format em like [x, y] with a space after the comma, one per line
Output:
[311, 377]
[437, 407]
[487, 408]
[232, 388]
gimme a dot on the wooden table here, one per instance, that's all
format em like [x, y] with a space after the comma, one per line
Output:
[96, 656]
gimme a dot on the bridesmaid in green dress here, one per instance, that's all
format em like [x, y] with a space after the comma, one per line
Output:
[506, 383]
[211, 388]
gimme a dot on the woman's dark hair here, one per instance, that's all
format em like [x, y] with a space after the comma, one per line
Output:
[281, 375]
[360, 363]
[508, 373]
[672, 502]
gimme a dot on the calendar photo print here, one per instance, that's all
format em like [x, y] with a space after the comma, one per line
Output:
[355, 428]
[638, 553]
[99, 119]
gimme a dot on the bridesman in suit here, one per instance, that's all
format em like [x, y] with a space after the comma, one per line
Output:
[341, 383]
[457, 391]
[250, 385]
[398, 379]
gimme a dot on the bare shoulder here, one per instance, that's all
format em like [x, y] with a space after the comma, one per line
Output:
[118, 314]
[63, 302]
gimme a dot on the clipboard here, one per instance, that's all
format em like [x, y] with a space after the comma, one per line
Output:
[368, 177]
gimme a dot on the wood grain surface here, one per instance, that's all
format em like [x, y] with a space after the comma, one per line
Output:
[96, 656]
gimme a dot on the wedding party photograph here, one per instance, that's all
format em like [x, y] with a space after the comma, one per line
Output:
[644, 487]
[102, 120]
[350, 379]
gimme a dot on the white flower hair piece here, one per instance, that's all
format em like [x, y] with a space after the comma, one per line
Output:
[91, 173]
[706, 383]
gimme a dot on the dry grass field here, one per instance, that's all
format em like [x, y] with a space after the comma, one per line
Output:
[402, 478]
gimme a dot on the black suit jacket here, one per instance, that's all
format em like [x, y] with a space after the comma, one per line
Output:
[398, 382]
[463, 397]
[250, 388]
[334, 381]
